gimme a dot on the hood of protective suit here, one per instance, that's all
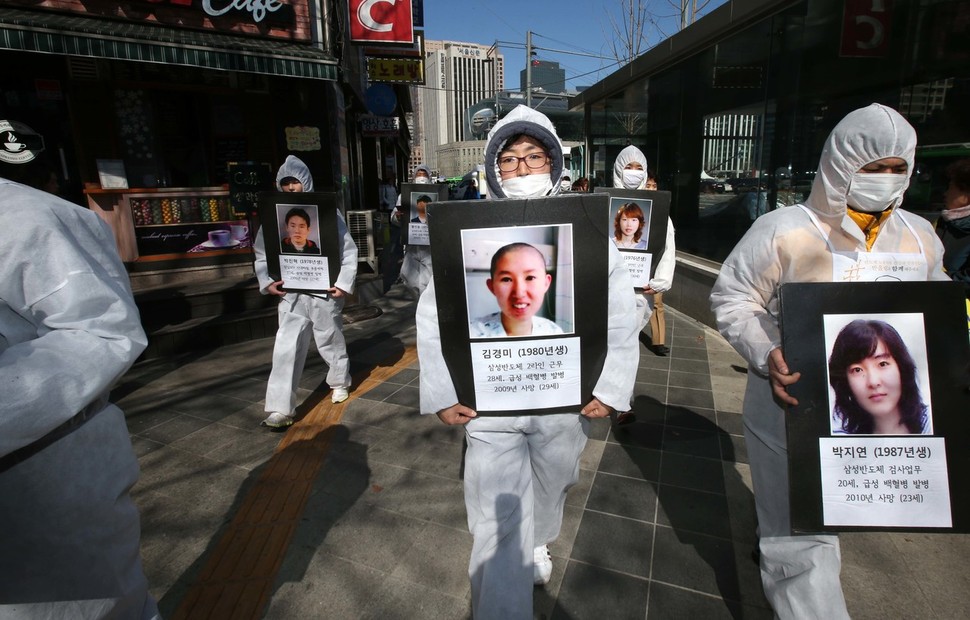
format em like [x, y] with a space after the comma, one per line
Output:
[426, 170]
[862, 137]
[294, 167]
[522, 120]
[628, 155]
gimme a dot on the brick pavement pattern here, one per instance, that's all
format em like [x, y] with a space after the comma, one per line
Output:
[357, 511]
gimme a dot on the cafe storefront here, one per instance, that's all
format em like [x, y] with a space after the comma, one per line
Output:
[165, 117]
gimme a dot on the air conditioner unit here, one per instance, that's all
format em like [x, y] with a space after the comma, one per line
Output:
[361, 224]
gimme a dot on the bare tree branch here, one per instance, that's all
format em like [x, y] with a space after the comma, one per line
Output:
[689, 10]
[638, 19]
[628, 39]
[631, 28]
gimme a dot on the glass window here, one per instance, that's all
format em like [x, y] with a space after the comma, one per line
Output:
[736, 130]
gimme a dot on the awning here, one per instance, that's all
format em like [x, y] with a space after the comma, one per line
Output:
[52, 33]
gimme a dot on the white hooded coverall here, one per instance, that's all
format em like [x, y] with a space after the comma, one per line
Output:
[301, 315]
[663, 275]
[416, 268]
[69, 328]
[518, 469]
[800, 573]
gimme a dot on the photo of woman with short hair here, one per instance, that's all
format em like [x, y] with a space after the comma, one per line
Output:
[875, 382]
[519, 281]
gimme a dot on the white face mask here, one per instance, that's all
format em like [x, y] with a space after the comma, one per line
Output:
[422, 180]
[528, 186]
[873, 193]
[565, 186]
[633, 178]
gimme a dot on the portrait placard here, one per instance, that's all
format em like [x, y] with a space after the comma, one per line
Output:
[303, 248]
[637, 225]
[415, 198]
[874, 442]
[509, 276]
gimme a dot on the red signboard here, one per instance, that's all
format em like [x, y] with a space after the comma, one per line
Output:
[381, 21]
[866, 25]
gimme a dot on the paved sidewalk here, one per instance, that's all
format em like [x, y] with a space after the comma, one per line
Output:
[357, 512]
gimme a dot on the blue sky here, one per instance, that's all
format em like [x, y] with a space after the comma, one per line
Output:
[571, 25]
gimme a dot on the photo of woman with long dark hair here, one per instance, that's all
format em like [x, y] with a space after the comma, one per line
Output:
[875, 382]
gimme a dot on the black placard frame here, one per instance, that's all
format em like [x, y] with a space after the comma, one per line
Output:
[438, 192]
[803, 308]
[659, 212]
[587, 214]
[325, 205]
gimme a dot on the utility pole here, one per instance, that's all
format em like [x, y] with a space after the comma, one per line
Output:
[528, 68]
[493, 52]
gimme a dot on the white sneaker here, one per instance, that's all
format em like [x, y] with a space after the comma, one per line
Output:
[277, 420]
[339, 395]
[542, 565]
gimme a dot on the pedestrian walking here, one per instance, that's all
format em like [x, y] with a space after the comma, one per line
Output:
[851, 218]
[630, 172]
[302, 316]
[518, 469]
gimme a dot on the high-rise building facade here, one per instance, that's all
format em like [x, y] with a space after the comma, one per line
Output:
[547, 76]
[458, 75]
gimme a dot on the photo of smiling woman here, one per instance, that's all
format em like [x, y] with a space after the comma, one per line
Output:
[518, 281]
[629, 227]
[875, 382]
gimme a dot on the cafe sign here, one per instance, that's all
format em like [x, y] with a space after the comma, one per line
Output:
[279, 13]
[257, 9]
[19, 143]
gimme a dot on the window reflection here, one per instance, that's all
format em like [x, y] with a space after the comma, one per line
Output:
[736, 128]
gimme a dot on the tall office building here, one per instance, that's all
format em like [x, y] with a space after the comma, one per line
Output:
[458, 75]
[547, 76]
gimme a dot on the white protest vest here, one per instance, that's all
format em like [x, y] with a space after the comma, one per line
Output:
[873, 266]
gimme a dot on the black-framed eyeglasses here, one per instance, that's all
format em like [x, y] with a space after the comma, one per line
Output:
[533, 161]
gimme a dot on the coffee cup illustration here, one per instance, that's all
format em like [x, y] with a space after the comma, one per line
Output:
[13, 143]
[219, 238]
[19, 143]
[239, 232]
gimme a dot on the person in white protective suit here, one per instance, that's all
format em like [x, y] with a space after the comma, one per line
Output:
[630, 172]
[69, 329]
[518, 469]
[302, 315]
[416, 269]
[851, 220]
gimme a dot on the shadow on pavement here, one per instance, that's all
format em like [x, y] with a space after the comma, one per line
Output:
[701, 498]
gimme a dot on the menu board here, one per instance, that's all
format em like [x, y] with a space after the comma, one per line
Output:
[246, 180]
